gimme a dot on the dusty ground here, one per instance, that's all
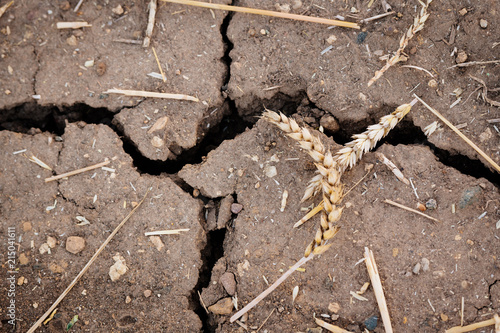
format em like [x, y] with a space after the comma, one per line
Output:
[208, 172]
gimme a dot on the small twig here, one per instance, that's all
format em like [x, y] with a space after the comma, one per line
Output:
[267, 13]
[159, 66]
[78, 6]
[76, 172]
[376, 17]
[141, 93]
[493, 121]
[390, 202]
[330, 327]
[266, 292]
[202, 303]
[72, 25]
[395, 170]
[414, 189]
[265, 321]
[472, 327]
[151, 23]
[474, 63]
[5, 7]
[357, 183]
[419, 68]
[87, 266]
[371, 266]
[450, 125]
[165, 232]
[485, 91]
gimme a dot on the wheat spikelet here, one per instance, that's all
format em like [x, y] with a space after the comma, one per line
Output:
[418, 24]
[364, 142]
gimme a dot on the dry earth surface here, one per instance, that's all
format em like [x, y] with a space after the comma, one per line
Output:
[217, 170]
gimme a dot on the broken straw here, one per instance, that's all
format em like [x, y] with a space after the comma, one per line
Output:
[267, 13]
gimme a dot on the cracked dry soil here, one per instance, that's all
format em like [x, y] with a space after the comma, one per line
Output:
[213, 154]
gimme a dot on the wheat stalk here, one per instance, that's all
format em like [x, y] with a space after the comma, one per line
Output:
[418, 24]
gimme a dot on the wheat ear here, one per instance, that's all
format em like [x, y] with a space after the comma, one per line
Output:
[364, 142]
[418, 24]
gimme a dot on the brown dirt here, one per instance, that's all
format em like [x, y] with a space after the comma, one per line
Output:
[209, 163]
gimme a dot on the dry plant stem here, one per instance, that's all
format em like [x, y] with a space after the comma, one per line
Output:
[78, 6]
[376, 17]
[267, 13]
[456, 130]
[87, 266]
[485, 91]
[266, 292]
[151, 23]
[419, 68]
[474, 63]
[395, 170]
[5, 7]
[418, 24]
[165, 232]
[72, 25]
[202, 302]
[127, 41]
[390, 202]
[371, 266]
[386, 6]
[472, 327]
[76, 172]
[141, 93]
[330, 327]
[265, 320]
[159, 66]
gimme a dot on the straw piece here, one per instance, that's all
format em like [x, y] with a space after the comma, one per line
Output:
[159, 66]
[78, 6]
[41, 163]
[76, 172]
[330, 327]
[395, 170]
[474, 63]
[266, 292]
[371, 266]
[87, 266]
[450, 125]
[165, 232]
[140, 93]
[72, 25]
[376, 17]
[419, 68]
[472, 327]
[151, 23]
[5, 7]
[267, 13]
[390, 202]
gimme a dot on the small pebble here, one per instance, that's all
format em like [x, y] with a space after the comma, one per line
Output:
[222, 307]
[334, 307]
[51, 242]
[228, 282]
[128, 299]
[75, 244]
[71, 41]
[118, 269]
[251, 32]
[101, 68]
[23, 259]
[296, 4]
[236, 208]
[44, 248]
[431, 204]
[416, 269]
[371, 323]
[26, 226]
[461, 57]
[329, 123]
[157, 142]
[483, 23]
[147, 293]
[463, 11]
[118, 10]
[425, 264]
[262, 31]
[331, 39]
[361, 37]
